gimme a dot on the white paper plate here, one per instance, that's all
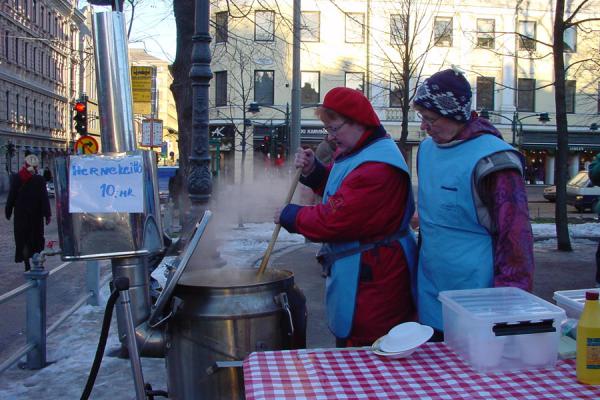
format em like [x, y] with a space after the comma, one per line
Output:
[404, 337]
[402, 354]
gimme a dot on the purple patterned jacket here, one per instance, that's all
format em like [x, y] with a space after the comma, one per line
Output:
[503, 194]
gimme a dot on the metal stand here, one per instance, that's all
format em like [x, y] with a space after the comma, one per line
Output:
[122, 285]
[136, 271]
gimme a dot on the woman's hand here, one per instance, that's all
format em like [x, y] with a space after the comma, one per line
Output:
[305, 159]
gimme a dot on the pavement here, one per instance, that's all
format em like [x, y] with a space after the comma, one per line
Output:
[75, 340]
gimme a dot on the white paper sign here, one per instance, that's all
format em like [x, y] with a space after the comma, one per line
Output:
[152, 132]
[106, 184]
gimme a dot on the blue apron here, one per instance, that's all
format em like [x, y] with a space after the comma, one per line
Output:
[342, 282]
[456, 250]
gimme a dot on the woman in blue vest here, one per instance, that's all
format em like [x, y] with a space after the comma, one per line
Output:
[472, 204]
[363, 221]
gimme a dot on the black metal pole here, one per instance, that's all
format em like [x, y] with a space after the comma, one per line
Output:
[199, 179]
[514, 127]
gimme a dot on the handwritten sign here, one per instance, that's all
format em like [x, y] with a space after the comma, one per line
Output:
[106, 184]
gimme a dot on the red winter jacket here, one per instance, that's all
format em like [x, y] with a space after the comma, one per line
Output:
[368, 206]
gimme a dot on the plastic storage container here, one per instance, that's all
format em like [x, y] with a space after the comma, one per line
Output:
[572, 301]
[501, 329]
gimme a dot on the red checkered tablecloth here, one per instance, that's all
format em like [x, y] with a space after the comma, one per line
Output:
[433, 371]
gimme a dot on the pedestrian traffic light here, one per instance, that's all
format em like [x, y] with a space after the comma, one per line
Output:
[80, 117]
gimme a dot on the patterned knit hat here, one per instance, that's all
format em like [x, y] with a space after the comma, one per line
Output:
[31, 162]
[446, 93]
[351, 104]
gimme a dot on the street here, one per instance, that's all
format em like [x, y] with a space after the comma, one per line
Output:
[64, 287]
[67, 286]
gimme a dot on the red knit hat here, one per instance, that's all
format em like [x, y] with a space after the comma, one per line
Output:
[351, 104]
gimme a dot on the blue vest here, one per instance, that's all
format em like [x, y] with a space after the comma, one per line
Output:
[342, 283]
[456, 250]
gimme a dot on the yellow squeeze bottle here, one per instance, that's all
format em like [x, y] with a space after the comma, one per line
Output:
[588, 341]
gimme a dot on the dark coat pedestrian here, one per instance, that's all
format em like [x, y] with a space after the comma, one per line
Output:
[47, 174]
[28, 199]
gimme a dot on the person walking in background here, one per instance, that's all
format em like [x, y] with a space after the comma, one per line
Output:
[594, 174]
[364, 217]
[47, 175]
[472, 204]
[28, 199]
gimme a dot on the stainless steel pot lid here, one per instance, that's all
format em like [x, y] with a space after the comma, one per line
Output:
[231, 277]
[165, 296]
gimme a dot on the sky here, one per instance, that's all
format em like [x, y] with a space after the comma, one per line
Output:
[153, 27]
[72, 347]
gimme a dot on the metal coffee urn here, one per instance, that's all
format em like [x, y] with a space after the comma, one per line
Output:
[214, 318]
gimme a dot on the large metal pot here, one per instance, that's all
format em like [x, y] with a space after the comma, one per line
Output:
[225, 315]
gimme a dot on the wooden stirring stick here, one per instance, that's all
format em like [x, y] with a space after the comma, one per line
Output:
[265, 260]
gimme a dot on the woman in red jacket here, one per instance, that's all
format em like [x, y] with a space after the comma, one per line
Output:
[367, 203]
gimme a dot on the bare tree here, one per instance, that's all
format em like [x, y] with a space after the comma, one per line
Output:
[182, 84]
[412, 38]
[561, 25]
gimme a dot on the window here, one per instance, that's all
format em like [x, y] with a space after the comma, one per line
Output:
[570, 86]
[570, 39]
[310, 26]
[398, 24]
[355, 80]
[485, 33]
[598, 106]
[395, 91]
[221, 88]
[26, 55]
[526, 95]
[7, 105]
[355, 28]
[527, 35]
[221, 29]
[6, 43]
[264, 83]
[309, 82]
[34, 11]
[264, 26]
[442, 31]
[485, 93]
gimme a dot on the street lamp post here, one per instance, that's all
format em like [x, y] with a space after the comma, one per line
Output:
[515, 120]
[199, 178]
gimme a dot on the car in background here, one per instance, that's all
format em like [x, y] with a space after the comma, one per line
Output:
[581, 193]
[164, 174]
[550, 193]
[50, 189]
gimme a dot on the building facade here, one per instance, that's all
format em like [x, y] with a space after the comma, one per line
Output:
[503, 47]
[41, 61]
[162, 105]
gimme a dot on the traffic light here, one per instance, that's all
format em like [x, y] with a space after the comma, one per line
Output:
[80, 117]
[266, 145]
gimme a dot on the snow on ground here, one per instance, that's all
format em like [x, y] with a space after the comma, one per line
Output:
[71, 349]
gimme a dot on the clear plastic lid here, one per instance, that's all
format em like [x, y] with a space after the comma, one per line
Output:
[507, 303]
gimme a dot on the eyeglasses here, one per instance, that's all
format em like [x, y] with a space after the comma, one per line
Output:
[334, 129]
[429, 121]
